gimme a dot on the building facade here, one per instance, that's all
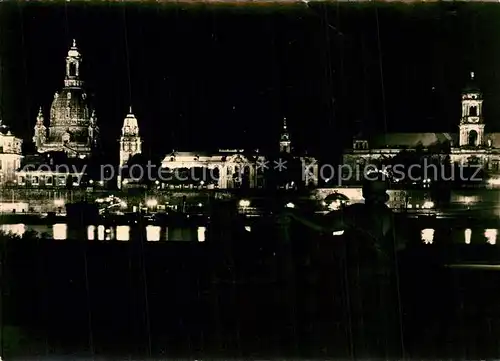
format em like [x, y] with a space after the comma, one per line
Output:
[236, 168]
[72, 126]
[10, 155]
[472, 144]
[70, 138]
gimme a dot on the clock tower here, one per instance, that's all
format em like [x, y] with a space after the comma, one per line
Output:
[472, 124]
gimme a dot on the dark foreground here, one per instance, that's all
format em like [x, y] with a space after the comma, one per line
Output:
[257, 297]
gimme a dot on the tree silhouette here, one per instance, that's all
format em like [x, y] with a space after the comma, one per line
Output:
[138, 170]
[284, 171]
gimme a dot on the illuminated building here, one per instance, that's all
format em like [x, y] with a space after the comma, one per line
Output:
[10, 155]
[236, 168]
[471, 145]
[72, 123]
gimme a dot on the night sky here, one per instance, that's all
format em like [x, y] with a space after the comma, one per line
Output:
[206, 76]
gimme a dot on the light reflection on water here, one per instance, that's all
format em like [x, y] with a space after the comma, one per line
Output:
[122, 233]
[14, 229]
[153, 233]
[60, 231]
[489, 236]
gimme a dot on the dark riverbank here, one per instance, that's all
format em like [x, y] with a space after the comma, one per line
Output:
[258, 297]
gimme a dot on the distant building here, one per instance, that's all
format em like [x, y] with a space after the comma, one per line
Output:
[70, 138]
[471, 145]
[235, 168]
[51, 170]
[10, 155]
[72, 126]
[130, 144]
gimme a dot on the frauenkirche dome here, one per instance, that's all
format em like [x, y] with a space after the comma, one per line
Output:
[73, 126]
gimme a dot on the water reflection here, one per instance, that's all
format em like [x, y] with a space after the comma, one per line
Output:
[100, 233]
[491, 236]
[13, 229]
[427, 235]
[122, 233]
[468, 235]
[201, 234]
[91, 233]
[153, 233]
[60, 231]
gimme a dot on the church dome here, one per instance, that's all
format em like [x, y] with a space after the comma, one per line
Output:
[72, 124]
[69, 108]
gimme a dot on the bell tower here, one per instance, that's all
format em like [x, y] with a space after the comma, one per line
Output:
[285, 142]
[472, 123]
[130, 141]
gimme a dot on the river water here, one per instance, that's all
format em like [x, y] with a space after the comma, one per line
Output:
[61, 231]
[427, 232]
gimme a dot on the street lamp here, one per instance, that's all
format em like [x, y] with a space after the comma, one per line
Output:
[244, 203]
[151, 203]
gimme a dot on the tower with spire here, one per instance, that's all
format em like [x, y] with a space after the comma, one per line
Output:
[285, 142]
[471, 123]
[130, 140]
[40, 131]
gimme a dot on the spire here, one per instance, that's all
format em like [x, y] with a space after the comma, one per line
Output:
[285, 144]
[39, 118]
[130, 110]
[284, 134]
[471, 75]
[74, 43]
[130, 125]
[40, 134]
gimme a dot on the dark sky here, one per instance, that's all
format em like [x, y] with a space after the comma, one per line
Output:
[204, 76]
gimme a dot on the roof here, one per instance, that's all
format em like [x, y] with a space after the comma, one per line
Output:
[53, 162]
[411, 139]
